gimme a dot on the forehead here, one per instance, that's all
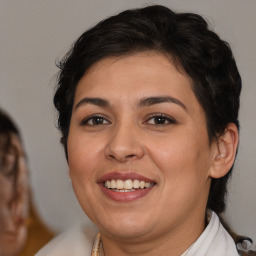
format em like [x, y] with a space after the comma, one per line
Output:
[157, 62]
[145, 73]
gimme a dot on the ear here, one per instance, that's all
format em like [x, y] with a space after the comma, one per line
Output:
[224, 152]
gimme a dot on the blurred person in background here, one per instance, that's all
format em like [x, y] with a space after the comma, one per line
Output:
[21, 230]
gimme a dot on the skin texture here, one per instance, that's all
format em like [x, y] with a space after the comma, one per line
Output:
[13, 200]
[175, 154]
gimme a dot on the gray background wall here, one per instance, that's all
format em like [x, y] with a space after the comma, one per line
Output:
[33, 34]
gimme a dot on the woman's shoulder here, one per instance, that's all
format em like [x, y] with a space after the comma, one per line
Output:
[76, 241]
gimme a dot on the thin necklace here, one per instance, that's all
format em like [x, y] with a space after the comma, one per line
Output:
[97, 246]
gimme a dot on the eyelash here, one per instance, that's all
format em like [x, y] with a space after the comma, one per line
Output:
[93, 118]
[166, 120]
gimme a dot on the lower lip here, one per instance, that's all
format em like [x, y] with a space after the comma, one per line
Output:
[125, 196]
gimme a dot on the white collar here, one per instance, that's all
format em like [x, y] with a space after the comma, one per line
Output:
[214, 241]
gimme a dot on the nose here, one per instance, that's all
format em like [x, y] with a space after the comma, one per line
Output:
[124, 144]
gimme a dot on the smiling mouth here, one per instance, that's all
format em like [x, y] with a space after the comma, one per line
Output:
[127, 185]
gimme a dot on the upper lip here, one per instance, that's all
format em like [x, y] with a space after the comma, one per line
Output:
[124, 176]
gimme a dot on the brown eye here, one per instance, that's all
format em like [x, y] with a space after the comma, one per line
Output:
[95, 120]
[161, 120]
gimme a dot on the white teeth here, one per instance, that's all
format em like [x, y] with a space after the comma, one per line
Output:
[108, 184]
[127, 185]
[147, 185]
[142, 184]
[113, 184]
[136, 183]
[119, 184]
[123, 190]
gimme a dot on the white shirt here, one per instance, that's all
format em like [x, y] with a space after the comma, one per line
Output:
[214, 241]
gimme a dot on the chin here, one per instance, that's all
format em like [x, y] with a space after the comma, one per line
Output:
[126, 226]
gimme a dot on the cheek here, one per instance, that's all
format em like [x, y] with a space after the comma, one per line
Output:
[84, 154]
[6, 190]
[180, 158]
[183, 164]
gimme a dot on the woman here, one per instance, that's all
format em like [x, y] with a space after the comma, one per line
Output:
[148, 109]
[21, 230]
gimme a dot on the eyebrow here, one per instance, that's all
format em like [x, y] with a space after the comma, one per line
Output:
[144, 102]
[94, 101]
[161, 99]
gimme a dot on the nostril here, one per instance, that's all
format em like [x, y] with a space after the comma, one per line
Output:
[125, 157]
[130, 156]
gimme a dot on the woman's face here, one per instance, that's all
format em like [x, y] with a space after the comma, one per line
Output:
[138, 148]
[13, 197]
